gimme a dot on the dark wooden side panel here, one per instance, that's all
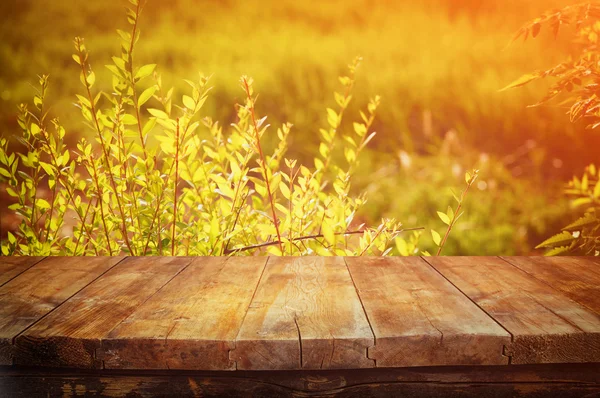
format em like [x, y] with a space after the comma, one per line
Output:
[39, 290]
[527, 381]
[10, 267]
[546, 325]
[576, 277]
[70, 335]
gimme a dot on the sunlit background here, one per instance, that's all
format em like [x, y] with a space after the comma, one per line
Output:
[438, 65]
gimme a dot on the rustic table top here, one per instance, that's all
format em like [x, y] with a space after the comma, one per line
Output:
[283, 313]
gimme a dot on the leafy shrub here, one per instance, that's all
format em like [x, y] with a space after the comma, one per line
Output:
[175, 183]
[577, 80]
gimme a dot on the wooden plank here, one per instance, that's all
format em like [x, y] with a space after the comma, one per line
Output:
[420, 319]
[70, 335]
[11, 267]
[577, 277]
[535, 381]
[546, 325]
[305, 315]
[191, 323]
[39, 290]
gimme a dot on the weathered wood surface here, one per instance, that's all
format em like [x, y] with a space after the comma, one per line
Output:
[546, 325]
[192, 322]
[577, 277]
[305, 314]
[40, 289]
[281, 313]
[532, 381]
[11, 267]
[420, 319]
[70, 335]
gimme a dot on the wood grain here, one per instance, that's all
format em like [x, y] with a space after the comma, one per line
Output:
[535, 381]
[577, 277]
[547, 326]
[420, 319]
[39, 290]
[10, 267]
[305, 315]
[70, 335]
[191, 323]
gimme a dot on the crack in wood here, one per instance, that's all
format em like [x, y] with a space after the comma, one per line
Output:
[299, 341]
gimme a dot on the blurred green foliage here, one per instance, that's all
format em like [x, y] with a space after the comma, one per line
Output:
[437, 64]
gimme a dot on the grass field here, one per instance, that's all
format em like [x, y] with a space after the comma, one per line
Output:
[438, 66]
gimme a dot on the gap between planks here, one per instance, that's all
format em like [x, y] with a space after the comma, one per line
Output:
[229, 353]
[512, 337]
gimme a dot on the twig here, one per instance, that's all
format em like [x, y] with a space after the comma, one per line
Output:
[301, 238]
[175, 188]
[457, 213]
[263, 163]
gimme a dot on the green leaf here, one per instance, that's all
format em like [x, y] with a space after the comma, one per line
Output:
[128, 119]
[328, 233]
[47, 168]
[35, 129]
[580, 202]
[360, 129]
[91, 79]
[332, 118]
[444, 217]
[145, 71]
[584, 221]
[285, 190]
[148, 126]
[402, 247]
[557, 240]
[450, 213]
[42, 204]
[523, 80]
[65, 158]
[158, 113]
[146, 95]
[558, 250]
[437, 239]
[189, 103]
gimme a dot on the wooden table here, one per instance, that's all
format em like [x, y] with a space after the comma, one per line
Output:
[282, 326]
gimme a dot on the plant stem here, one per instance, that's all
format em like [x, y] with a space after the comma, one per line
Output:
[132, 81]
[104, 150]
[263, 164]
[456, 214]
[175, 188]
[99, 193]
[379, 231]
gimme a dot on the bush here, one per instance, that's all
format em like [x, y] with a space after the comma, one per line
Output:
[577, 80]
[160, 179]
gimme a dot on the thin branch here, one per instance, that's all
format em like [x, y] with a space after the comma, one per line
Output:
[308, 237]
[263, 163]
